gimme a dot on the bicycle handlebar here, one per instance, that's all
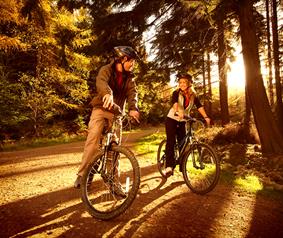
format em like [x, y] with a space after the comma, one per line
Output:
[186, 117]
[116, 110]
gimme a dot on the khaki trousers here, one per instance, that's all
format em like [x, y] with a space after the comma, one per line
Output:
[95, 129]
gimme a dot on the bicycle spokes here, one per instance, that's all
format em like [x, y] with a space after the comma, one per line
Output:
[112, 189]
[198, 158]
[201, 168]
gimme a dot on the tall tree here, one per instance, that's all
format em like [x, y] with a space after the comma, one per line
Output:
[270, 137]
[278, 83]
[222, 69]
[269, 60]
[209, 84]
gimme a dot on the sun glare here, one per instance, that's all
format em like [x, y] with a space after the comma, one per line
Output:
[236, 75]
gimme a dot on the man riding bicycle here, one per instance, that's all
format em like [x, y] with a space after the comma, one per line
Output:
[114, 85]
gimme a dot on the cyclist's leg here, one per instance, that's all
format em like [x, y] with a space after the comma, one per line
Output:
[118, 131]
[170, 127]
[181, 132]
[95, 128]
[112, 160]
[112, 163]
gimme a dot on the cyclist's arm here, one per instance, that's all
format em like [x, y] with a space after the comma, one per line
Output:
[103, 87]
[175, 107]
[132, 96]
[102, 80]
[201, 110]
[204, 115]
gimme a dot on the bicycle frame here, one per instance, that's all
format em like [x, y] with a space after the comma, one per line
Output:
[187, 140]
[108, 135]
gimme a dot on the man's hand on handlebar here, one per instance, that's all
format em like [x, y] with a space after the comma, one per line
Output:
[135, 115]
[108, 101]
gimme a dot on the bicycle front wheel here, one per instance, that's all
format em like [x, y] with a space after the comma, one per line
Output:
[161, 159]
[108, 190]
[201, 168]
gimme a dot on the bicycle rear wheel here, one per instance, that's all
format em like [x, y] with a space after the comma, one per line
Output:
[161, 159]
[107, 193]
[201, 168]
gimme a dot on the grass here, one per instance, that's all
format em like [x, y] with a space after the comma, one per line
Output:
[40, 142]
[250, 183]
[148, 145]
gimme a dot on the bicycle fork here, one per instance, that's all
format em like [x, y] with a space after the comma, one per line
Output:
[197, 156]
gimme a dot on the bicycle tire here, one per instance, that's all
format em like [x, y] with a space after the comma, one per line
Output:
[98, 195]
[161, 159]
[201, 168]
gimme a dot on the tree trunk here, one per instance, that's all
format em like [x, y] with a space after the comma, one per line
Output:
[209, 110]
[269, 60]
[279, 104]
[203, 78]
[222, 69]
[270, 137]
[248, 114]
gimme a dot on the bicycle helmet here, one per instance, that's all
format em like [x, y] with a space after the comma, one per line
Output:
[122, 51]
[185, 76]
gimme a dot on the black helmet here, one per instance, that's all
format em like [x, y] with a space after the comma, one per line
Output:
[128, 51]
[185, 76]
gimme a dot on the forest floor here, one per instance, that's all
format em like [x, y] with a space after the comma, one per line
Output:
[37, 199]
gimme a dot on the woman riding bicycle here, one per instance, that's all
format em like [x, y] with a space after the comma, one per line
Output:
[183, 99]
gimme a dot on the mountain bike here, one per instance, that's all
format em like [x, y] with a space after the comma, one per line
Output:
[197, 160]
[111, 181]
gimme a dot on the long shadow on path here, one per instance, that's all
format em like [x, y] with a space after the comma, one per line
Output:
[62, 211]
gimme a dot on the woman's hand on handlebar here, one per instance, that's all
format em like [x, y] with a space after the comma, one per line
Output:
[181, 115]
[207, 120]
[186, 117]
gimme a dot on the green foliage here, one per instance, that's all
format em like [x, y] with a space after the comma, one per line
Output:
[47, 84]
[10, 103]
[154, 96]
[192, 33]
[53, 94]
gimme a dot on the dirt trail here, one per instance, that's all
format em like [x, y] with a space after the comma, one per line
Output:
[37, 200]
